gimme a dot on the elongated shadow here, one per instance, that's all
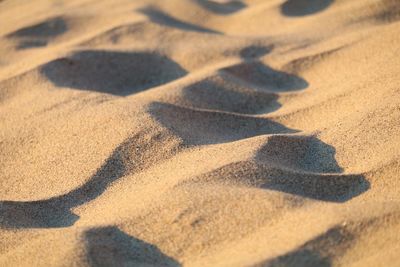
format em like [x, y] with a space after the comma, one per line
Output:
[294, 164]
[223, 8]
[326, 187]
[39, 34]
[295, 8]
[255, 51]
[299, 258]
[256, 73]
[56, 211]
[200, 127]
[109, 246]
[262, 76]
[112, 72]
[332, 187]
[209, 94]
[318, 252]
[234, 89]
[159, 17]
[299, 165]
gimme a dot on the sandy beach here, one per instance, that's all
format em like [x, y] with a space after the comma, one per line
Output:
[200, 133]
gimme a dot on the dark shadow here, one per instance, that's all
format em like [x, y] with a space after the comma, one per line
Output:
[325, 187]
[200, 127]
[255, 51]
[40, 34]
[24, 44]
[298, 152]
[226, 93]
[159, 17]
[56, 211]
[295, 8]
[301, 258]
[118, 73]
[222, 8]
[209, 94]
[294, 164]
[256, 73]
[333, 187]
[262, 76]
[318, 252]
[109, 246]
[35, 214]
[306, 166]
[49, 28]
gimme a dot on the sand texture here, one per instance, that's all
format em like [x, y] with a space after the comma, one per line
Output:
[200, 133]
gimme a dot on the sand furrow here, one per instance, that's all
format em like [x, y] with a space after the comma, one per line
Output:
[199, 133]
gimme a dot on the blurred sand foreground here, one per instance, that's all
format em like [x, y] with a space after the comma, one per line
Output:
[200, 133]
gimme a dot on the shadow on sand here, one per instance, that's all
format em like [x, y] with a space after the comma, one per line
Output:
[249, 87]
[39, 34]
[159, 17]
[56, 211]
[306, 166]
[255, 73]
[222, 8]
[318, 252]
[296, 8]
[300, 165]
[294, 164]
[109, 246]
[112, 72]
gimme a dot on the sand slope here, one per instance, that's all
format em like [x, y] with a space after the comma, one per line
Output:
[200, 133]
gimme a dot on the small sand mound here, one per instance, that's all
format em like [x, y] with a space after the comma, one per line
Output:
[234, 98]
[265, 77]
[189, 124]
[200, 133]
[326, 187]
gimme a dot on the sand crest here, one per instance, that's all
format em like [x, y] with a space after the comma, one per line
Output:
[200, 133]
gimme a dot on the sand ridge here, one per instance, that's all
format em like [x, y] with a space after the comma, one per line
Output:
[199, 133]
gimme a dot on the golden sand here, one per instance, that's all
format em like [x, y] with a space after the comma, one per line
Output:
[200, 133]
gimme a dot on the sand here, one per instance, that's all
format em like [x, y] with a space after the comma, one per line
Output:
[200, 133]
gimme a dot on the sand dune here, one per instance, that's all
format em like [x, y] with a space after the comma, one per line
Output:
[199, 133]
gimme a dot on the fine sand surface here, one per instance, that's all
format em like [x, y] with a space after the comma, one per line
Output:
[200, 133]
